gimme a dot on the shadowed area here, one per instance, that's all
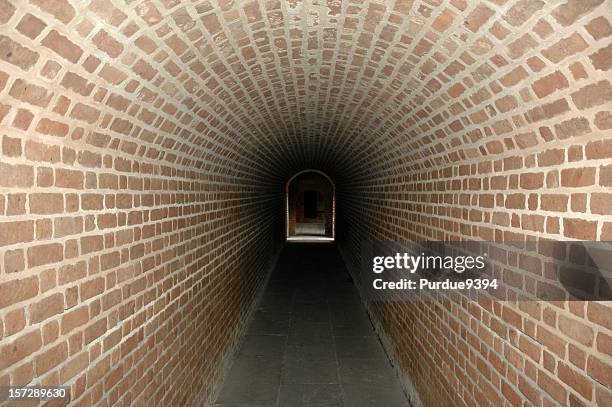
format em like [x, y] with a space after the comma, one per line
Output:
[145, 150]
[311, 342]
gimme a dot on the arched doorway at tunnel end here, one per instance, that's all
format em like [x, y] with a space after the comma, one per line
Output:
[310, 207]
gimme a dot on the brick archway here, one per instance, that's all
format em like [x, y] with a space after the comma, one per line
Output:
[325, 189]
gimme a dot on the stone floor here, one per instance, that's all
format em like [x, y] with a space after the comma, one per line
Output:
[310, 342]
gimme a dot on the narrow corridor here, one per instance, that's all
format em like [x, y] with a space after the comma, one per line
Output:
[310, 342]
[158, 156]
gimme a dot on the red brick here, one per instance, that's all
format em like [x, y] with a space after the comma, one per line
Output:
[578, 71]
[109, 260]
[144, 70]
[604, 343]
[109, 300]
[603, 396]
[51, 358]
[549, 84]
[99, 371]
[35, 151]
[74, 366]
[19, 348]
[478, 17]
[62, 46]
[14, 322]
[514, 77]
[45, 254]
[23, 119]
[6, 11]
[107, 220]
[576, 330]
[551, 386]
[4, 111]
[108, 44]
[44, 229]
[593, 95]
[543, 29]
[575, 127]
[580, 229]
[575, 380]
[74, 319]
[515, 201]
[121, 126]
[91, 288]
[50, 71]
[92, 202]
[578, 203]
[46, 203]
[571, 10]
[603, 120]
[565, 47]
[521, 11]
[11, 147]
[66, 226]
[95, 331]
[602, 59]
[16, 232]
[3, 76]
[600, 314]
[577, 177]
[605, 175]
[60, 9]
[112, 75]
[16, 54]
[601, 204]
[30, 93]
[77, 84]
[52, 127]
[529, 391]
[599, 28]
[600, 371]
[14, 261]
[554, 156]
[30, 26]
[89, 159]
[547, 111]
[114, 376]
[68, 179]
[554, 202]
[85, 113]
[532, 180]
[50, 332]
[16, 204]
[107, 12]
[46, 308]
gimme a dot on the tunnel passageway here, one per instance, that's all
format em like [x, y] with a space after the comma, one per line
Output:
[145, 152]
[311, 206]
[310, 342]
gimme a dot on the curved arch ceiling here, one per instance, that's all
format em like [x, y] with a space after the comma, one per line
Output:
[437, 119]
[349, 87]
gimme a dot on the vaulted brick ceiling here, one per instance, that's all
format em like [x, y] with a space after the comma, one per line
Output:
[144, 144]
[351, 87]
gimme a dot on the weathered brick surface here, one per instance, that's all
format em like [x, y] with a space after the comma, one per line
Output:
[145, 144]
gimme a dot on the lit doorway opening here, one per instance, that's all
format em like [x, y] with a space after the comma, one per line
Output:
[310, 207]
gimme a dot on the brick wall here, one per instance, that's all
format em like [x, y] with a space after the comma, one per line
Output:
[325, 197]
[502, 133]
[144, 145]
[135, 229]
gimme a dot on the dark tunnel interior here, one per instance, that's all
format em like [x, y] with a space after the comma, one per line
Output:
[148, 213]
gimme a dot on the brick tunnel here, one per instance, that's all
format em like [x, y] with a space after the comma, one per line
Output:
[146, 150]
